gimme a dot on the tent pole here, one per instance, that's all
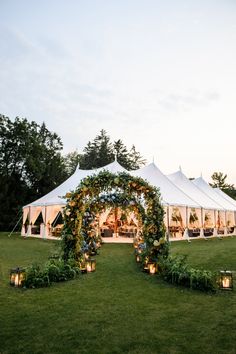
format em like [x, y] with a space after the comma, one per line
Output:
[45, 225]
[30, 223]
[225, 227]
[116, 226]
[201, 230]
[186, 234]
[168, 223]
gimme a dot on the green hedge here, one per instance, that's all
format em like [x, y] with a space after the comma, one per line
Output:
[55, 270]
[176, 271]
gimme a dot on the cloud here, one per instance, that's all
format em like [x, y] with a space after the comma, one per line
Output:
[187, 100]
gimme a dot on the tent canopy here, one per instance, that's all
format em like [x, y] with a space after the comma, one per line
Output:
[206, 202]
[170, 193]
[225, 196]
[208, 190]
[176, 189]
[57, 195]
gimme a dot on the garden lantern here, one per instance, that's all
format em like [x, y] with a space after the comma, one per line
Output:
[138, 258]
[83, 267]
[17, 275]
[91, 265]
[152, 267]
[226, 280]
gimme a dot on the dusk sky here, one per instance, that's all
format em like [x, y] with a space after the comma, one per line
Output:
[157, 74]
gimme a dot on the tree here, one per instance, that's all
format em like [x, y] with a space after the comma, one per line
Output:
[121, 153]
[219, 181]
[136, 160]
[71, 162]
[30, 165]
[97, 153]
[101, 151]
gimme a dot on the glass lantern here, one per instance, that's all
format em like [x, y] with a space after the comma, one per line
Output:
[17, 275]
[226, 280]
[152, 267]
[91, 265]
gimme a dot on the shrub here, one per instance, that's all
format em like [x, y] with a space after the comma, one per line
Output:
[36, 277]
[55, 270]
[176, 271]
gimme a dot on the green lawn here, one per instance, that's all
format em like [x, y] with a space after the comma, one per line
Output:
[117, 309]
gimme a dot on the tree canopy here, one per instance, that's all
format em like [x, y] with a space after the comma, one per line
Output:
[31, 165]
[101, 151]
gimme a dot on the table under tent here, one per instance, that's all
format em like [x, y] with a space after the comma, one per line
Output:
[192, 208]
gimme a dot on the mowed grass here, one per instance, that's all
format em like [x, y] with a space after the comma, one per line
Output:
[117, 309]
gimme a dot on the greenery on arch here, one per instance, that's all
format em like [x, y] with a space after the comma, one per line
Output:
[96, 193]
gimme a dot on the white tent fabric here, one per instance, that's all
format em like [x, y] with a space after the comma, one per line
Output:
[171, 194]
[25, 214]
[225, 196]
[56, 196]
[178, 194]
[205, 201]
[211, 193]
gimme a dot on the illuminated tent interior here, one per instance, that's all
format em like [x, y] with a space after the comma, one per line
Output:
[192, 208]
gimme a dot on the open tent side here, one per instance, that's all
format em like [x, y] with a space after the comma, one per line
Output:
[179, 196]
[226, 219]
[203, 221]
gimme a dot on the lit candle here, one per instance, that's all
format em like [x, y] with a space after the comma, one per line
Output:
[225, 282]
[152, 268]
[17, 280]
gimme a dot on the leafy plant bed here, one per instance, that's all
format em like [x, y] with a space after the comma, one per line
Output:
[38, 276]
[175, 270]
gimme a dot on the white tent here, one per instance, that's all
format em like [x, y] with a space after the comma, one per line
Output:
[171, 194]
[176, 198]
[210, 192]
[207, 216]
[226, 219]
[53, 203]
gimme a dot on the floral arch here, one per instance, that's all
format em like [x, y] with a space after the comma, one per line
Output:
[98, 192]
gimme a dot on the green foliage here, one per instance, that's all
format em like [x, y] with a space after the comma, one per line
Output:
[176, 271]
[71, 162]
[121, 190]
[30, 165]
[38, 276]
[101, 151]
[219, 181]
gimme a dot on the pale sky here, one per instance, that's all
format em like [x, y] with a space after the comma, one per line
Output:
[157, 74]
